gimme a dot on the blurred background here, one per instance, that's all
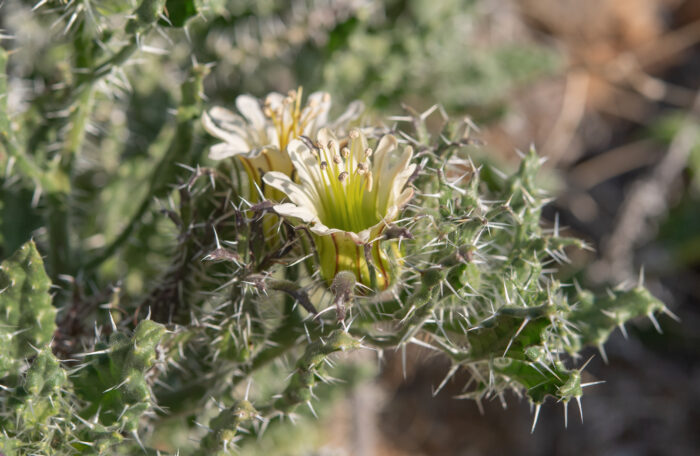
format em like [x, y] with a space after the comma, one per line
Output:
[607, 90]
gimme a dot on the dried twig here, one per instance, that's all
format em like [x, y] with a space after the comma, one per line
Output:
[647, 200]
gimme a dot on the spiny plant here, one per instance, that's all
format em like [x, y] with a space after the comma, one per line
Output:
[195, 323]
[52, 406]
[472, 278]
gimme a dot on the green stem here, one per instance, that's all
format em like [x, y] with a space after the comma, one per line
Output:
[163, 173]
[58, 201]
[8, 142]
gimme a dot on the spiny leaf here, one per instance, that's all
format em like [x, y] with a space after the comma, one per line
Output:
[598, 316]
[27, 317]
[113, 380]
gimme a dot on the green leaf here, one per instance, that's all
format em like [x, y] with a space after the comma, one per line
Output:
[113, 381]
[595, 317]
[45, 376]
[27, 317]
[179, 11]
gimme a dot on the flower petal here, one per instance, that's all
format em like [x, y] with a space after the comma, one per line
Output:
[404, 198]
[379, 158]
[225, 150]
[320, 102]
[304, 162]
[400, 174]
[271, 137]
[324, 135]
[295, 192]
[394, 179]
[250, 108]
[351, 113]
[383, 174]
[274, 100]
[294, 211]
[358, 238]
[225, 125]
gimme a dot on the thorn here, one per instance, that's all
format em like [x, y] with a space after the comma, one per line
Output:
[424, 115]
[549, 369]
[584, 385]
[403, 360]
[623, 329]
[124, 382]
[138, 440]
[640, 282]
[312, 409]
[604, 355]
[36, 196]
[38, 5]
[655, 323]
[517, 333]
[580, 407]
[111, 320]
[586, 363]
[480, 406]
[262, 198]
[263, 428]
[216, 237]
[308, 336]
[212, 181]
[566, 414]
[671, 314]
[449, 375]
[537, 414]
[247, 389]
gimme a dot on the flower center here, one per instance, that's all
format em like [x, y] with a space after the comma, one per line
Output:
[288, 117]
[344, 183]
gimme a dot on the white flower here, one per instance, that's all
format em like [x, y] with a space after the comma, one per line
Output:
[260, 138]
[348, 194]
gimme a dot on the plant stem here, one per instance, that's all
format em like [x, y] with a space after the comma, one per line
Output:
[162, 175]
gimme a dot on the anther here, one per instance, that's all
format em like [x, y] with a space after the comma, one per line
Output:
[354, 133]
[324, 165]
[345, 152]
[337, 159]
[361, 168]
[368, 152]
[342, 176]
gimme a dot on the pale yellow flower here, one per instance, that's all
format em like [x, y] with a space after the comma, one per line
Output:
[260, 137]
[348, 194]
